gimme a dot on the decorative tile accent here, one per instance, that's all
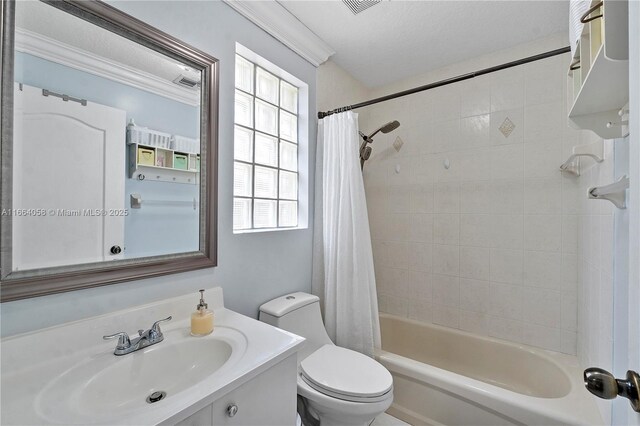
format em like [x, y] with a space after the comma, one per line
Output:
[507, 127]
[397, 144]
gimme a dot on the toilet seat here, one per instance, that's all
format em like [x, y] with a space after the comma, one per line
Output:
[346, 374]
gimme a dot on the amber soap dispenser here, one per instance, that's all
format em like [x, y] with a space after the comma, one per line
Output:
[202, 318]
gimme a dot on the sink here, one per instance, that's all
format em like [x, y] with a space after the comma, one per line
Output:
[115, 385]
[173, 368]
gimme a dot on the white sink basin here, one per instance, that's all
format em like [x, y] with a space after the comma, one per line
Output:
[108, 383]
[170, 368]
[109, 388]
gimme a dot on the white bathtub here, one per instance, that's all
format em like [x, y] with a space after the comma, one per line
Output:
[445, 376]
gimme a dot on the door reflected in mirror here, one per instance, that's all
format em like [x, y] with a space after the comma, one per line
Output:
[106, 145]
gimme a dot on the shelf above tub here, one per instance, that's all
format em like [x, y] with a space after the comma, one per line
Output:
[599, 72]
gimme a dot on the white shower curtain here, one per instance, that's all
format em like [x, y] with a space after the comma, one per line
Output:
[343, 274]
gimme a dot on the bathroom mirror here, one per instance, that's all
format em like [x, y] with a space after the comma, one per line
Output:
[108, 149]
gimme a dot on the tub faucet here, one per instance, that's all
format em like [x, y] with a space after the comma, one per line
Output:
[147, 338]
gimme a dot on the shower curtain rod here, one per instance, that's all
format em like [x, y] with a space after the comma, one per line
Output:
[447, 81]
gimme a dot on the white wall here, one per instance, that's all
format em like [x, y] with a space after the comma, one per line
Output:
[338, 88]
[253, 268]
[489, 245]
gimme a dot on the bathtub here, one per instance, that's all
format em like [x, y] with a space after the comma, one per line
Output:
[443, 376]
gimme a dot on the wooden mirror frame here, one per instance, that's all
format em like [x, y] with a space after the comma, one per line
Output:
[40, 282]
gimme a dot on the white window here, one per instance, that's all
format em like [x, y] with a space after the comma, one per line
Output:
[266, 176]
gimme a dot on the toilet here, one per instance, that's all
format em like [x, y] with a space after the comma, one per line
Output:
[338, 386]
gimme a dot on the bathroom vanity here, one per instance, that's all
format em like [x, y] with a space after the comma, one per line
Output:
[243, 373]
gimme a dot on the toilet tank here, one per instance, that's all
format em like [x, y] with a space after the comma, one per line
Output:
[298, 313]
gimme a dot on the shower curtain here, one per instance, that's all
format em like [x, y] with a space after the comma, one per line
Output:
[343, 274]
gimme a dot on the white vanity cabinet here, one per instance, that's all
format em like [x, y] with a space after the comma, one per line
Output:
[267, 399]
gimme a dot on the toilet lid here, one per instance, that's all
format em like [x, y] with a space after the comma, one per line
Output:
[346, 374]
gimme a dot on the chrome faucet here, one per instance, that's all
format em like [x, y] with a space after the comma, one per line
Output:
[147, 338]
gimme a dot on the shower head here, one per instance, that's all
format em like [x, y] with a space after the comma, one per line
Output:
[365, 151]
[387, 128]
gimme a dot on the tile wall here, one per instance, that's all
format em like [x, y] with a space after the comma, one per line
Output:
[473, 225]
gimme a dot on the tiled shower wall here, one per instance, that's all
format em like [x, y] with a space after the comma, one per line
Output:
[473, 225]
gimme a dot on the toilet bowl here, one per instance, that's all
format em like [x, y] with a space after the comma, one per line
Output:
[338, 386]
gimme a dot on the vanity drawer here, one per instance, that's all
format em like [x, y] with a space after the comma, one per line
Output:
[180, 161]
[146, 156]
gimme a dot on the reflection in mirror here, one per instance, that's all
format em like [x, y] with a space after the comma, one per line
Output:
[106, 146]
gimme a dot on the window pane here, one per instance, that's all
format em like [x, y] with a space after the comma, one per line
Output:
[267, 86]
[264, 214]
[244, 74]
[288, 126]
[266, 182]
[288, 156]
[266, 150]
[288, 215]
[242, 179]
[243, 144]
[241, 213]
[288, 97]
[266, 117]
[288, 185]
[244, 109]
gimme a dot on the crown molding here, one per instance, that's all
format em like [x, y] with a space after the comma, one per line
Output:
[52, 50]
[272, 17]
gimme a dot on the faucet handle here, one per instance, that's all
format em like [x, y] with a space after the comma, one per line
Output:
[155, 328]
[123, 340]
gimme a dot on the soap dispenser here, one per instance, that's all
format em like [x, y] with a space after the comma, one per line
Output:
[202, 318]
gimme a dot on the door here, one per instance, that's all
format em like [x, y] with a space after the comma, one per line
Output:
[82, 146]
[626, 294]
[626, 297]
[626, 344]
[626, 319]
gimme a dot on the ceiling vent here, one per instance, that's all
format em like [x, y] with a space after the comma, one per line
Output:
[185, 81]
[357, 6]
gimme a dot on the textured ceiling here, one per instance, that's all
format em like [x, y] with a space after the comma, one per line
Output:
[398, 39]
